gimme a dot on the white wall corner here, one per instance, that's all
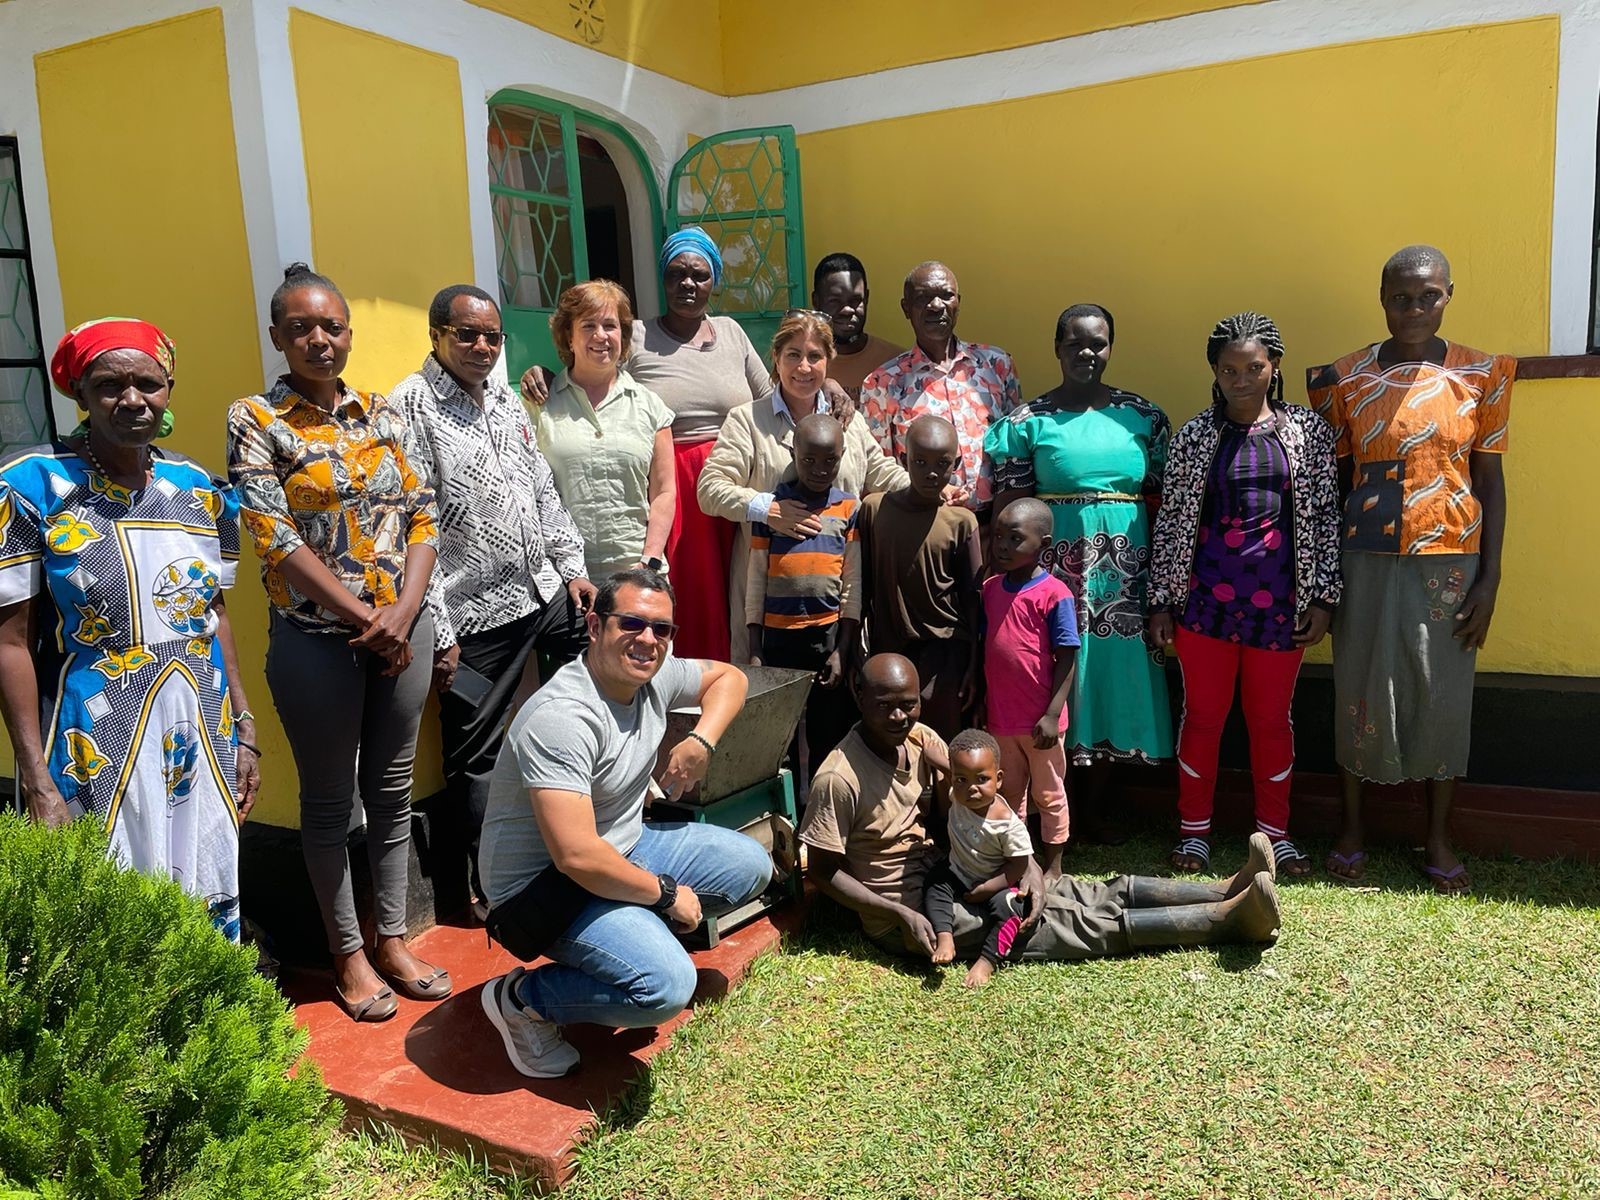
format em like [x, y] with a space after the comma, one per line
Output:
[272, 164]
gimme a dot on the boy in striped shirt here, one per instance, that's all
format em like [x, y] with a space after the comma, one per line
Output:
[803, 595]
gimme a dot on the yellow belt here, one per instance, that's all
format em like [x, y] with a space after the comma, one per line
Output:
[1083, 497]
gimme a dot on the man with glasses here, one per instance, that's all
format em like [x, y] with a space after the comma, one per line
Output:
[510, 580]
[570, 867]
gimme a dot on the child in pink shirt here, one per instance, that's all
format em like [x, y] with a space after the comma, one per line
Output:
[1030, 651]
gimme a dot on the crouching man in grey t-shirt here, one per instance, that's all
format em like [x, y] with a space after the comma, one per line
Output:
[568, 791]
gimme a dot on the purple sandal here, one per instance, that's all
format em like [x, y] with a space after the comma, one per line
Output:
[1444, 882]
[1354, 864]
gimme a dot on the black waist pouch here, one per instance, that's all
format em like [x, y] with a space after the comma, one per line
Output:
[536, 916]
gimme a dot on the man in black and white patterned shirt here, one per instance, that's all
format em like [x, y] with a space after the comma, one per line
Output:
[510, 580]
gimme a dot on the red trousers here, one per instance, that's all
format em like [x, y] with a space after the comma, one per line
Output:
[699, 550]
[1266, 683]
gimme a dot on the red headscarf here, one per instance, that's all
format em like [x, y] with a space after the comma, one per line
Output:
[80, 347]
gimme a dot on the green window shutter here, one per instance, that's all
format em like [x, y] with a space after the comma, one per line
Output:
[540, 246]
[743, 187]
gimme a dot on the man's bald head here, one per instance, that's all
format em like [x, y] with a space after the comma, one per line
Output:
[891, 701]
[883, 671]
[925, 274]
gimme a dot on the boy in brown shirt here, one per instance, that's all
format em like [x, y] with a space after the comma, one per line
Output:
[920, 564]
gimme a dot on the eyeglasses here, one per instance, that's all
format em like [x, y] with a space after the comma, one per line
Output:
[806, 312]
[469, 337]
[628, 623]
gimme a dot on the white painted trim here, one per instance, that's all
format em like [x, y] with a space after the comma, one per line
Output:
[272, 165]
[1205, 39]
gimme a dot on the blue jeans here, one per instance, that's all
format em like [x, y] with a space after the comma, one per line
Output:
[619, 964]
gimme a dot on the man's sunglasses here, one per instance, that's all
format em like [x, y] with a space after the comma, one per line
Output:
[628, 623]
[469, 337]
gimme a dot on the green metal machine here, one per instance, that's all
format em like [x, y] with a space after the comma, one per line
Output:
[746, 786]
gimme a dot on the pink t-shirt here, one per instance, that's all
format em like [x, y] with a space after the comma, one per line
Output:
[1025, 625]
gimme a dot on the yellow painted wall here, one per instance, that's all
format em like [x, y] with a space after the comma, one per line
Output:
[1279, 184]
[386, 172]
[677, 38]
[147, 218]
[765, 48]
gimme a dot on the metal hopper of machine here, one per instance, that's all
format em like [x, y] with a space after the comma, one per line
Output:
[746, 785]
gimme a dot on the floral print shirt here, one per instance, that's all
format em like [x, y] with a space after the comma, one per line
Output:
[979, 387]
[340, 482]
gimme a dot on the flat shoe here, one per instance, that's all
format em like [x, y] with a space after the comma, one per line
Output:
[435, 986]
[379, 1006]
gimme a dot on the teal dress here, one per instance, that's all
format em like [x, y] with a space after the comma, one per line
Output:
[1097, 469]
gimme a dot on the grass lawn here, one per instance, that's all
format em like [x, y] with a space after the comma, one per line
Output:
[1393, 1044]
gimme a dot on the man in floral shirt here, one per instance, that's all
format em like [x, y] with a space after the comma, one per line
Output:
[967, 383]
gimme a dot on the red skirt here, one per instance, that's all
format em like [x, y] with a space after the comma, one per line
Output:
[698, 553]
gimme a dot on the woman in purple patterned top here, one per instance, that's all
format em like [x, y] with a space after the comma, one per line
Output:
[1245, 576]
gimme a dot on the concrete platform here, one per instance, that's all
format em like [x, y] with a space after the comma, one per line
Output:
[439, 1071]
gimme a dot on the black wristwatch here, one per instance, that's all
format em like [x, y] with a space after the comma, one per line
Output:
[656, 564]
[669, 893]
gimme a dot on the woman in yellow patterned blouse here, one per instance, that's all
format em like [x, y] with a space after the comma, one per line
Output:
[346, 532]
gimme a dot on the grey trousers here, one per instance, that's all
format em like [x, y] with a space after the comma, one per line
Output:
[1082, 919]
[348, 726]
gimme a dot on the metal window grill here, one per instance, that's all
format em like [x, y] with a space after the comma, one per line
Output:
[25, 418]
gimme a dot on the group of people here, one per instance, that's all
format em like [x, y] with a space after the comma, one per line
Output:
[984, 590]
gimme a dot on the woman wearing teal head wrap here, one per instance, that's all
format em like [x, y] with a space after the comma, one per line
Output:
[691, 239]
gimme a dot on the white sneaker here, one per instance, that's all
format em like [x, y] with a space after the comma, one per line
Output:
[534, 1046]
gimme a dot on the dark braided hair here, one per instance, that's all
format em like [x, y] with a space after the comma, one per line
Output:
[298, 275]
[1247, 327]
[1086, 310]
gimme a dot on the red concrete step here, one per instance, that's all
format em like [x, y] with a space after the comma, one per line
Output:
[438, 1071]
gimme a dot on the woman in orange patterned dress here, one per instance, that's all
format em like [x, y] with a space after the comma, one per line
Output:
[346, 532]
[1421, 424]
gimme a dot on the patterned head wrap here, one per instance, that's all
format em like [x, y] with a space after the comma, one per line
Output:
[693, 240]
[81, 346]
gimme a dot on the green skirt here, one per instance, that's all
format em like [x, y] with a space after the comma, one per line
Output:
[1119, 706]
[1402, 683]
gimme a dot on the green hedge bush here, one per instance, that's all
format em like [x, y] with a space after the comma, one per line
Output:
[140, 1053]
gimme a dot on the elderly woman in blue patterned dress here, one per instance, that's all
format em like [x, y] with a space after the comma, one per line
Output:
[113, 633]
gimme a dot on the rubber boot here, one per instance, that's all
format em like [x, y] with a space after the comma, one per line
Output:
[1251, 916]
[1153, 891]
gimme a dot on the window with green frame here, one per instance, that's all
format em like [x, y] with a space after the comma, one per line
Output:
[536, 190]
[25, 416]
[743, 186]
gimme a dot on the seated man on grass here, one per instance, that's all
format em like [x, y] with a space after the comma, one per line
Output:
[866, 823]
[570, 867]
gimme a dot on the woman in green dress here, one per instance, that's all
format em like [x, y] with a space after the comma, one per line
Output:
[1095, 454]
